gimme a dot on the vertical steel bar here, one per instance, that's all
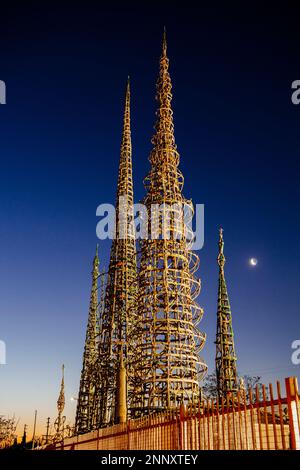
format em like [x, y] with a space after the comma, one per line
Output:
[228, 421]
[223, 423]
[258, 417]
[281, 415]
[273, 416]
[244, 398]
[253, 430]
[208, 423]
[266, 419]
[218, 423]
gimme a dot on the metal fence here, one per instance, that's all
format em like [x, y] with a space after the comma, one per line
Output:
[258, 419]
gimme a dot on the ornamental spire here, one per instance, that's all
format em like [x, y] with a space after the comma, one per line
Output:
[85, 397]
[165, 358]
[164, 43]
[61, 398]
[226, 371]
[125, 165]
[121, 283]
[221, 257]
[164, 140]
[59, 424]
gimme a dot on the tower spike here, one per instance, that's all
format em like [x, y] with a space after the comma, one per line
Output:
[121, 283]
[166, 338]
[60, 420]
[164, 43]
[61, 398]
[221, 257]
[83, 419]
[226, 372]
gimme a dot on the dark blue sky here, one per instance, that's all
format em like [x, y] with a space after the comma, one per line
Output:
[237, 131]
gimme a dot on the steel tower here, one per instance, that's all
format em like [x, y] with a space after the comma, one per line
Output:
[226, 372]
[120, 288]
[165, 340]
[83, 421]
[59, 424]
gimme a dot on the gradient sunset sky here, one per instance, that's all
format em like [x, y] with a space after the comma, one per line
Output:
[237, 131]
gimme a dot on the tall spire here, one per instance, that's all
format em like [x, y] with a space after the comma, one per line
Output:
[60, 420]
[119, 298]
[164, 43]
[125, 166]
[225, 353]
[86, 389]
[61, 398]
[164, 140]
[167, 341]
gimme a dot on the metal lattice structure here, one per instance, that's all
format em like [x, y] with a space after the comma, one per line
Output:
[227, 381]
[8, 428]
[165, 339]
[120, 288]
[59, 424]
[83, 421]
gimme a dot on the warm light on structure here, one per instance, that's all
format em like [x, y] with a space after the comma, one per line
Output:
[165, 365]
[226, 372]
[59, 424]
[83, 421]
[120, 291]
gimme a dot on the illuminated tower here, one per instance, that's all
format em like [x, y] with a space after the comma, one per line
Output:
[120, 288]
[86, 389]
[225, 354]
[59, 424]
[165, 339]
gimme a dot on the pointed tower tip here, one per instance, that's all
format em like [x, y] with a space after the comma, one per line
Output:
[164, 44]
[221, 257]
[96, 261]
[128, 85]
[127, 88]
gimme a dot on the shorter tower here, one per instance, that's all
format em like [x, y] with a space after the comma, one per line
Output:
[226, 372]
[83, 421]
[120, 293]
[59, 423]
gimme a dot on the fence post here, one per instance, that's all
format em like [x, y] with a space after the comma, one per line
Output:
[128, 434]
[291, 386]
[181, 426]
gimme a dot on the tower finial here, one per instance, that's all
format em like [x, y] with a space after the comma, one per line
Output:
[164, 43]
[163, 139]
[127, 95]
[127, 99]
[96, 262]
[126, 134]
[226, 370]
[221, 257]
